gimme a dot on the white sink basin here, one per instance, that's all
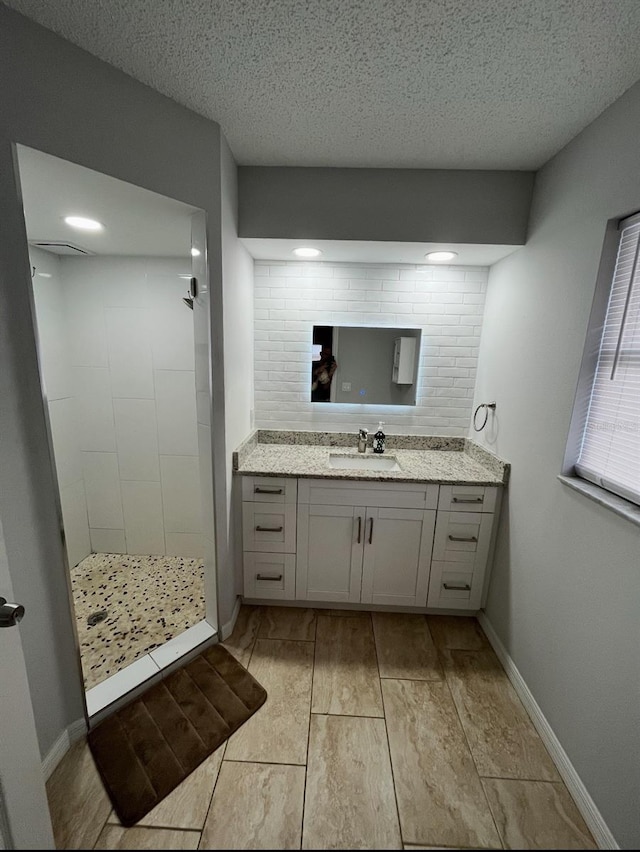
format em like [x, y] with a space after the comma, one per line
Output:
[363, 462]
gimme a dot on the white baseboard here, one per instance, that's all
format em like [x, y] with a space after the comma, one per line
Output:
[585, 804]
[227, 629]
[62, 745]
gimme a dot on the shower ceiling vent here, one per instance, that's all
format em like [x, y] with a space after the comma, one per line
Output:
[61, 247]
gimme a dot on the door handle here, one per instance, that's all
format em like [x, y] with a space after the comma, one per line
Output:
[359, 529]
[462, 538]
[468, 500]
[268, 529]
[457, 587]
[258, 490]
[371, 530]
[10, 613]
[264, 577]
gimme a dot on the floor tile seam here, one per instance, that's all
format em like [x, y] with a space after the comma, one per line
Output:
[282, 639]
[346, 715]
[261, 762]
[386, 734]
[526, 780]
[306, 766]
[473, 760]
[213, 790]
[413, 679]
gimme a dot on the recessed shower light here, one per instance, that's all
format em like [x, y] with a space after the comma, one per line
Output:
[306, 252]
[195, 252]
[441, 255]
[82, 223]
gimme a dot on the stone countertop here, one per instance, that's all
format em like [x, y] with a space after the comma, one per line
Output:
[445, 467]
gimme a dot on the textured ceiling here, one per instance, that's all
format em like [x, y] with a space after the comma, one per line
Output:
[396, 83]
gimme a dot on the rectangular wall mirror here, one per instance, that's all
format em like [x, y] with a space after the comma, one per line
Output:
[364, 365]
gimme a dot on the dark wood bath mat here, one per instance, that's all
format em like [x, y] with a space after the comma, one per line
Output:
[144, 750]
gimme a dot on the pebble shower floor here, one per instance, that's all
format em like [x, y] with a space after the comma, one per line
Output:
[148, 600]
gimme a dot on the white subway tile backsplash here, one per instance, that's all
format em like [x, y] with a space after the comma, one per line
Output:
[447, 303]
[143, 525]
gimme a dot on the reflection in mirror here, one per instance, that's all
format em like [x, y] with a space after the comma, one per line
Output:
[359, 364]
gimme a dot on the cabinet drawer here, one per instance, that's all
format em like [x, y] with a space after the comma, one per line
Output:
[331, 492]
[455, 587]
[269, 527]
[270, 575]
[462, 538]
[269, 489]
[467, 498]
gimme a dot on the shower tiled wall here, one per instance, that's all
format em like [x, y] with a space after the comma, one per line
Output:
[134, 430]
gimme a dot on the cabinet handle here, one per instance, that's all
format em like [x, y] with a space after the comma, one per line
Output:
[263, 577]
[359, 529]
[462, 538]
[258, 490]
[371, 530]
[457, 587]
[269, 529]
[467, 499]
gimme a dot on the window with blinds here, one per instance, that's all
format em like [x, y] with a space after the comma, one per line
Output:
[610, 451]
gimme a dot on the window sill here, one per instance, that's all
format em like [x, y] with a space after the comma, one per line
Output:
[605, 498]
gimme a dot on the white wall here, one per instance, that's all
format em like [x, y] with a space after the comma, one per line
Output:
[565, 590]
[447, 303]
[61, 395]
[237, 273]
[132, 356]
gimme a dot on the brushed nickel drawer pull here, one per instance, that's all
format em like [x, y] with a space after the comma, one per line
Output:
[467, 500]
[269, 529]
[258, 490]
[359, 529]
[371, 531]
[457, 587]
[462, 538]
[262, 577]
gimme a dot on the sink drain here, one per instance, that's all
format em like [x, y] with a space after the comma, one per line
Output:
[96, 617]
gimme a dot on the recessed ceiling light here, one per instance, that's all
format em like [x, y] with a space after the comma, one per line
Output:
[43, 274]
[195, 252]
[307, 252]
[441, 255]
[186, 277]
[82, 223]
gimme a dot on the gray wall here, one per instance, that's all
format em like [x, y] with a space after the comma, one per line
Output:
[237, 268]
[59, 99]
[565, 589]
[407, 205]
[365, 358]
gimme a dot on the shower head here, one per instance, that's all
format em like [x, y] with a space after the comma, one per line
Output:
[188, 302]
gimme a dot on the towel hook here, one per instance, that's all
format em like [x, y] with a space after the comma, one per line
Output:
[486, 406]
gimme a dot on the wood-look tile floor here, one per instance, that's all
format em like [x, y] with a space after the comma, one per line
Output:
[381, 731]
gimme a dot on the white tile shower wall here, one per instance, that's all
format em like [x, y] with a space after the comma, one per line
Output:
[132, 355]
[59, 389]
[446, 302]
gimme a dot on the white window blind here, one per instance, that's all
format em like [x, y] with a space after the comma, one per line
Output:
[610, 452]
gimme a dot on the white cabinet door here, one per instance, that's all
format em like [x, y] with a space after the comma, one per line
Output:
[397, 555]
[329, 553]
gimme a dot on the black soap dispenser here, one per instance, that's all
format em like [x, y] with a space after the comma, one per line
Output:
[379, 439]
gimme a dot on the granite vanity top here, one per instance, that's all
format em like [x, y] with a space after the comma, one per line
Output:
[447, 461]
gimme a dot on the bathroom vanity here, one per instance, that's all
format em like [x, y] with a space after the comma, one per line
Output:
[413, 528]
